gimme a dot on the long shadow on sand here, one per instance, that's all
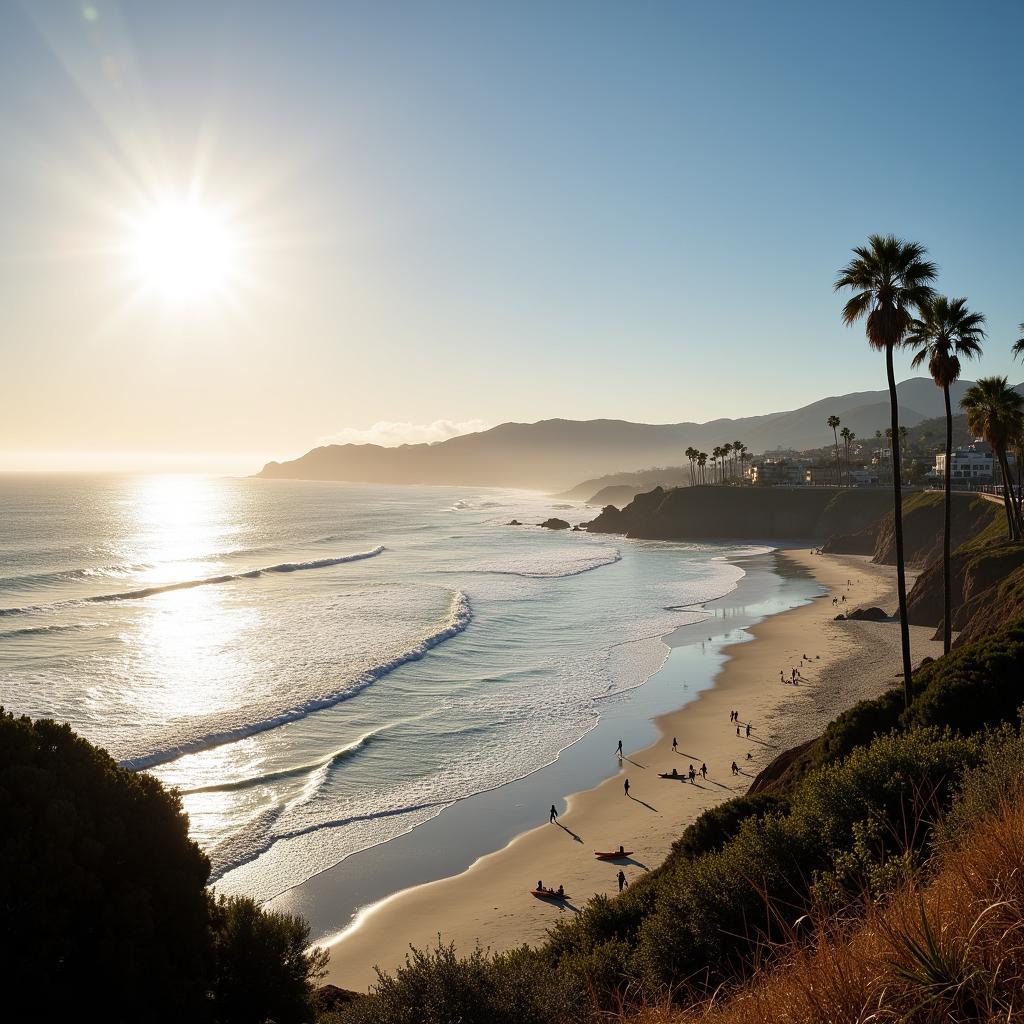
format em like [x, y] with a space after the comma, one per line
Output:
[637, 800]
[569, 830]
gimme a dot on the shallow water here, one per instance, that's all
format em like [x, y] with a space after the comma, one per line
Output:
[322, 667]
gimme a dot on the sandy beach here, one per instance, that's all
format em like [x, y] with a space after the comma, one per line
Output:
[489, 904]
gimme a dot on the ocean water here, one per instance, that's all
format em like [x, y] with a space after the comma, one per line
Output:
[319, 667]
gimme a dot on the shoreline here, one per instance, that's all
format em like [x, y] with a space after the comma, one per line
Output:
[489, 905]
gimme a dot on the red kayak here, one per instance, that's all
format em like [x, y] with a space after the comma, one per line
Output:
[549, 894]
[612, 855]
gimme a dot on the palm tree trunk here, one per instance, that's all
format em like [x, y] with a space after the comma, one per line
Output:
[897, 512]
[1011, 516]
[1013, 502]
[947, 585]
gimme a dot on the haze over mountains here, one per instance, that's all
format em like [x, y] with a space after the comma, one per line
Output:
[557, 454]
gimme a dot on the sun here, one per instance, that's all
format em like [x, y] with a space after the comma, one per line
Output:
[182, 250]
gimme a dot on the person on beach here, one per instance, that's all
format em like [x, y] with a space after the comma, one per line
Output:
[748, 730]
[704, 771]
[675, 746]
[750, 756]
[561, 892]
[693, 774]
[735, 768]
[540, 887]
[737, 730]
[618, 750]
[554, 814]
[622, 879]
[625, 787]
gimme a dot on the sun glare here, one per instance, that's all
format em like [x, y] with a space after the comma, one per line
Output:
[182, 250]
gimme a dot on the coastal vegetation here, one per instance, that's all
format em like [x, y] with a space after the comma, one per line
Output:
[996, 412]
[105, 901]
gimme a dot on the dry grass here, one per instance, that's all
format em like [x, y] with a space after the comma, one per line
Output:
[948, 950]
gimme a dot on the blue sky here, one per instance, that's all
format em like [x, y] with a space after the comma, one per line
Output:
[475, 212]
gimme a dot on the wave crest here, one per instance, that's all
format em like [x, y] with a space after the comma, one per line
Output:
[460, 615]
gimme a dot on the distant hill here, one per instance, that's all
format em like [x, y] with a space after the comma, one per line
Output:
[555, 454]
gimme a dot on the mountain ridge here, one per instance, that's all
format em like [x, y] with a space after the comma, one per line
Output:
[555, 454]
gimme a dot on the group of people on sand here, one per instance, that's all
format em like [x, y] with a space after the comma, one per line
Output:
[559, 892]
[691, 774]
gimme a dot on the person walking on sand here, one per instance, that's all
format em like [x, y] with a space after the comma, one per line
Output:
[554, 814]
[748, 730]
[622, 879]
[704, 771]
[737, 730]
[625, 787]
[675, 745]
[618, 749]
[735, 768]
[693, 774]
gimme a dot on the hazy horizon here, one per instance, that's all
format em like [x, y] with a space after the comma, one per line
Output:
[233, 233]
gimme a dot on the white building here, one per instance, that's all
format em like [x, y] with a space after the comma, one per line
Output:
[974, 464]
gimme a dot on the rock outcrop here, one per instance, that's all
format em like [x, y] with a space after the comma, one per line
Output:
[555, 524]
[753, 513]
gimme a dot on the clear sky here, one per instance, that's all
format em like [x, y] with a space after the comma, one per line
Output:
[400, 220]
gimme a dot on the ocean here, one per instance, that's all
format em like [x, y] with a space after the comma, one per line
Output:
[321, 667]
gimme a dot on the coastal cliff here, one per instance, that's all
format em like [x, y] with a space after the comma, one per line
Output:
[687, 513]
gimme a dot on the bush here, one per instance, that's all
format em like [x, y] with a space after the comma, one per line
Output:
[715, 913]
[103, 892]
[105, 908]
[262, 969]
[437, 987]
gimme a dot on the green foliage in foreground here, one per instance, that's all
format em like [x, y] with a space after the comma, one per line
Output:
[105, 911]
[856, 814]
[438, 987]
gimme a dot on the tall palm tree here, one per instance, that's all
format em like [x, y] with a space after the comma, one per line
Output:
[946, 332]
[833, 422]
[847, 435]
[691, 455]
[996, 412]
[726, 453]
[889, 279]
[1018, 345]
[741, 451]
[716, 455]
[702, 461]
[737, 449]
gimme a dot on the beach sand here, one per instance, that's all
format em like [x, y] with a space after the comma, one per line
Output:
[490, 905]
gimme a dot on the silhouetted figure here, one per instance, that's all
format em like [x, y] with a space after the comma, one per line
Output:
[622, 879]
[674, 745]
[561, 892]
[750, 756]
[748, 730]
[737, 730]
[625, 787]
[735, 768]
[704, 770]
[554, 814]
[540, 885]
[618, 749]
[693, 774]
[622, 850]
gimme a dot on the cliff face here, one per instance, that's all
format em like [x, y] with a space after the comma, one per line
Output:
[735, 512]
[970, 515]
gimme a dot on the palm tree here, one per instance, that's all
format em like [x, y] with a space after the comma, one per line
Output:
[946, 333]
[890, 278]
[716, 455]
[737, 448]
[833, 422]
[996, 412]
[702, 460]
[691, 455]
[741, 453]
[847, 435]
[726, 452]
[1018, 345]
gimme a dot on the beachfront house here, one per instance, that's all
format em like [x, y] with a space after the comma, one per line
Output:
[974, 464]
[777, 472]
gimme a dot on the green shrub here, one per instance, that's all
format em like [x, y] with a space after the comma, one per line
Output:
[437, 987]
[713, 913]
[973, 687]
[262, 968]
[106, 914]
[717, 825]
[103, 892]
